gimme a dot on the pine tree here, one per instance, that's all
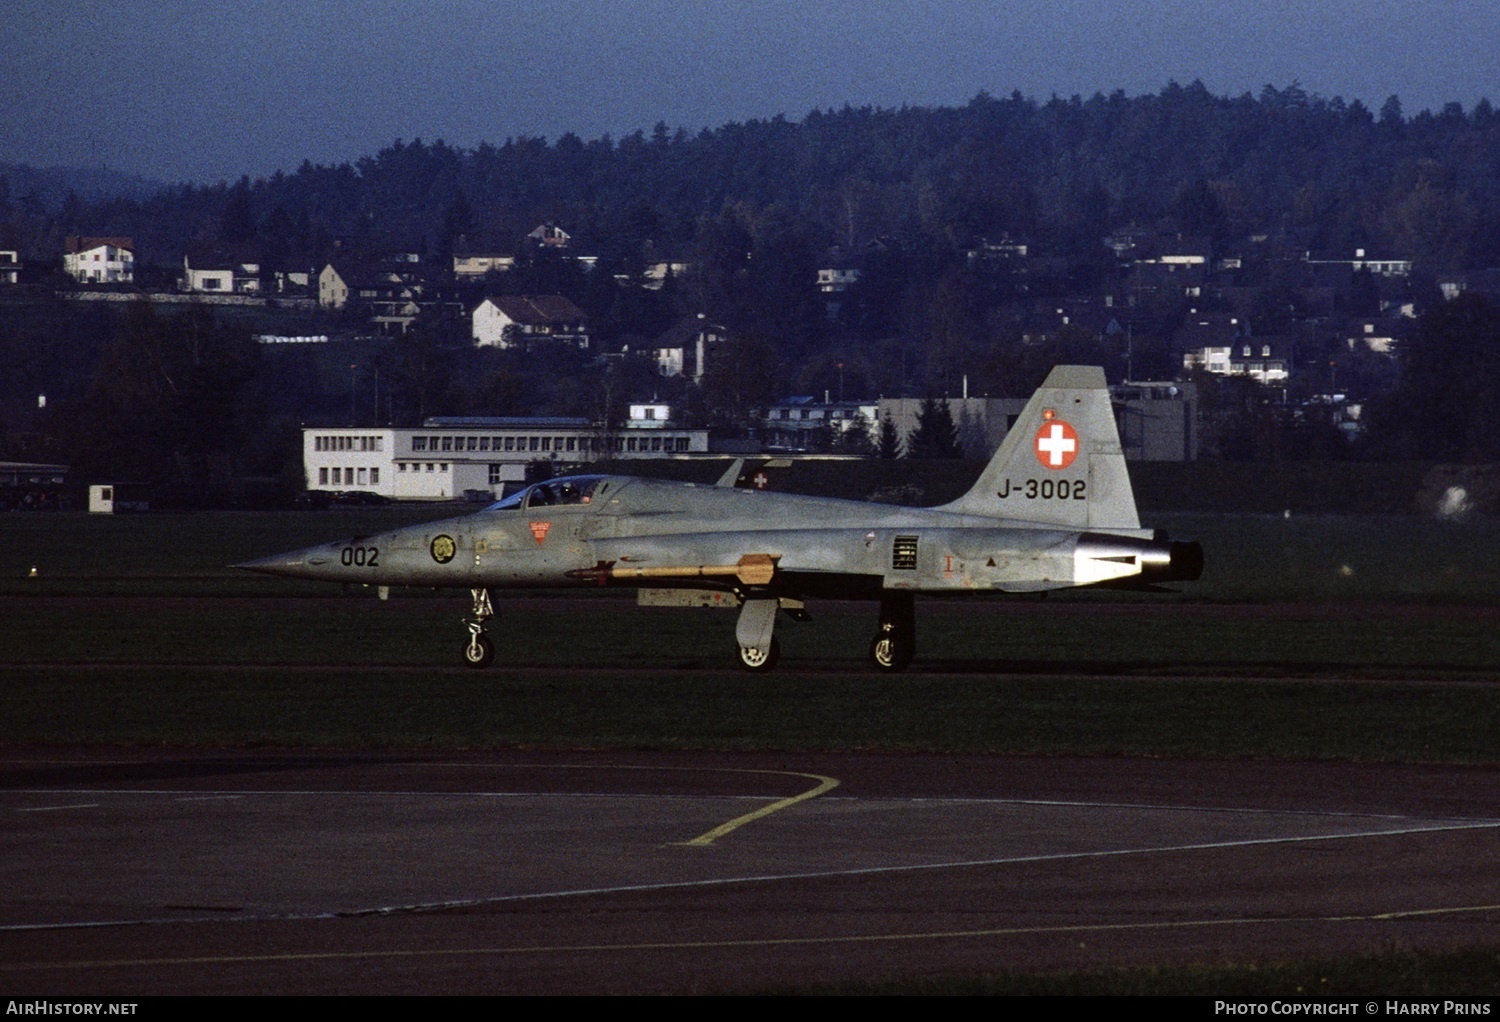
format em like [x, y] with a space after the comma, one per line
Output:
[935, 435]
[890, 440]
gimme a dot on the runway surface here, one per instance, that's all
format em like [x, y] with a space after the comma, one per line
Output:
[175, 871]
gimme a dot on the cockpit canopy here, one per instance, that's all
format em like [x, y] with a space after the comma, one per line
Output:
[553, 493]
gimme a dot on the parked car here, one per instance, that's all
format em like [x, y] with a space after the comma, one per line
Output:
[359, 498]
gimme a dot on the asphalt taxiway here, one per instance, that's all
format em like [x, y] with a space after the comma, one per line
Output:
[188, 871]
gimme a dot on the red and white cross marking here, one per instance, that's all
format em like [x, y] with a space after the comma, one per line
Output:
[1056, 444]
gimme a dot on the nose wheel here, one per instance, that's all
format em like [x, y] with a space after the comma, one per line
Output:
[895, 643]
[479, 651]
[888, 653]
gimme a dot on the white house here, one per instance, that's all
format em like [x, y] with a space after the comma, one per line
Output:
[1264, 360]
[683, 349]
[551, 236]
[99, 260]
[389, 290]
[471, 265]
[792, 422]
[511, 320]
[835, 279]
[210, 272]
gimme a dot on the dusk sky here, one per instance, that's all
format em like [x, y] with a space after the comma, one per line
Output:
[209, 89]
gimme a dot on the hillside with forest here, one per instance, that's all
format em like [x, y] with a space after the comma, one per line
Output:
[991, 241]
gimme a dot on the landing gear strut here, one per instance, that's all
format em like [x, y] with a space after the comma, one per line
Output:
[479, 651]
[895, 643]
[758, 649]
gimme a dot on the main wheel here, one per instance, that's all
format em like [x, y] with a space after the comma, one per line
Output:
[891, 654]
[753, 658]
[479, 651]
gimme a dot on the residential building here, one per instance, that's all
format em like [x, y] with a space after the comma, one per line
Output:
[213, 272]
[475, 263]
[1210, 331]
[683, 350]
[389, 289]
[1002, 251]
[1375, 335]
[1384, 267]
[508, 321]
[1263, 359]
[660, 263]
[99, 260]
[551, 236]
[792, 424]
[1485, 282]
[837, 272]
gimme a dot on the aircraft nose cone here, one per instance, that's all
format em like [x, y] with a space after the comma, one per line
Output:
[292, 564]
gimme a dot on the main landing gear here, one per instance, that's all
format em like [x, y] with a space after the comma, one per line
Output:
[891, 650]
[758, 649]
[479, 651]
[895, 643]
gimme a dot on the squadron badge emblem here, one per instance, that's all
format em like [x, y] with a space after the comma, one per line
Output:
[443, 548]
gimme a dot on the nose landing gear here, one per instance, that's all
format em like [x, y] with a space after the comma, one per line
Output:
[895, 643]
[479, 651]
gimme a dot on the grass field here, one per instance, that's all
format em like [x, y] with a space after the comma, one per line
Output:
[1364, 638]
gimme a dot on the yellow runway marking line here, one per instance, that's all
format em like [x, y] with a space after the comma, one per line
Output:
[825, 784]
[709, 945]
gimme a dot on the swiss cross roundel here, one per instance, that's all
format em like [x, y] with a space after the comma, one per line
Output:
[1056, 444]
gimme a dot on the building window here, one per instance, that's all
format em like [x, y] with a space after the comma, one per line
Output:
[374, 477]
[322, 477]
[495, 475]
[419, 443]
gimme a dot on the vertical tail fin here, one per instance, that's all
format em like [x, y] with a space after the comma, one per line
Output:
[1061, 463]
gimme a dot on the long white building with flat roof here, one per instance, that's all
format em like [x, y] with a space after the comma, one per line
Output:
[445, 457]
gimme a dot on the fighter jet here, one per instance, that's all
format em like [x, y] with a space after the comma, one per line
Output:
[1053, 509]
